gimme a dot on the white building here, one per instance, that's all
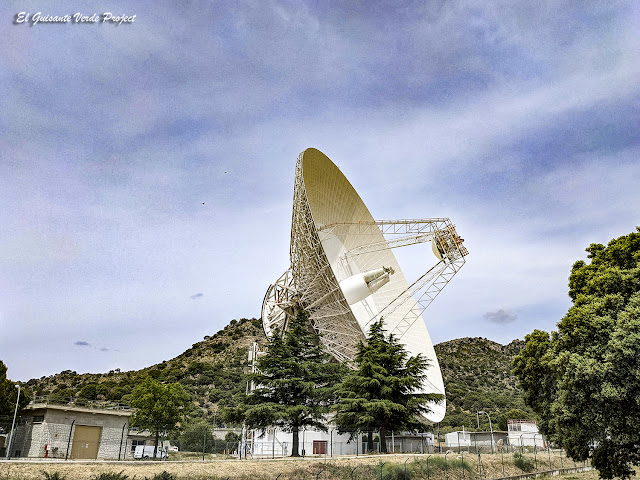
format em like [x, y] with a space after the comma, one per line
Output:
[471, 441]
[276, 443]
[332, 443]
[524, 433]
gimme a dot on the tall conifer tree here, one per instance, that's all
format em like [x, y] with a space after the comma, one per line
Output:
[380, 393]
[293, 383]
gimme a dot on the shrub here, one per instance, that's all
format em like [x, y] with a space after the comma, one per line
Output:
[394, 471]
[164, 475]
[426, 467]
[53, 476]
[111, 476]
[523, 463]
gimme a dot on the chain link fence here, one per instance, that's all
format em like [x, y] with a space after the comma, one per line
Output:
[333, 443]
[34, 438]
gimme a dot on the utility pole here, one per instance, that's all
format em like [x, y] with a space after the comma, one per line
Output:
[490, 428]
[13, 424]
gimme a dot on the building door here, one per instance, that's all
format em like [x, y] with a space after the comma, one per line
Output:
[319, 447]
[86, 441]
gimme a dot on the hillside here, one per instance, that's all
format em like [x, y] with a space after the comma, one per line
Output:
[211, 371]
[477, 375]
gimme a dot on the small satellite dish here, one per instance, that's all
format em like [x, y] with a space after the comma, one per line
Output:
[343, 271]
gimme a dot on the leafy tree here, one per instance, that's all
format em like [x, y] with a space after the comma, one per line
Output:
[232, 438]
[293, 384]
[9, 393]
[63, 393]
[118, 392]
[537, 377]
[89, 391]
[513, 414]
[159, 406]
[380, 392]
[583, 381]
[193, 436]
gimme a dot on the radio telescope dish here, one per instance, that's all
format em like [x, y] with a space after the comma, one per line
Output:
[343, 271]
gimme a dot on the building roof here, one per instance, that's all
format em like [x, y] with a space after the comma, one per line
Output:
[80, 405]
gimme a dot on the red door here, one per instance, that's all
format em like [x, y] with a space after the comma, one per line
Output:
[319, 447]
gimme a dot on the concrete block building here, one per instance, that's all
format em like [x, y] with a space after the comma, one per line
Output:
[81, 429]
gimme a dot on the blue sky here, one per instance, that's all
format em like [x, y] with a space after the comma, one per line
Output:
[146, 169]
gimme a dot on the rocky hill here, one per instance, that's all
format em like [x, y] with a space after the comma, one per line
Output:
[211, 371]
[477, 375]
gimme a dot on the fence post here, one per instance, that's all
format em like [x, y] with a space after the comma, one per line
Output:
[446, 469]
[428, 466]
[462, 453]
[561, 462]
[351, 475]
[483, 472]
[382, 465]
[69, 441]
[204, 442]
[121, 438]
[405, 468]
[331, 434]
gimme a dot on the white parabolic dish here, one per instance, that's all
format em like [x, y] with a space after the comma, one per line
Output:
[344, 273]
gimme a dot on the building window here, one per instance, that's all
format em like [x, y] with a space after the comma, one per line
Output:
[38, 419]
[135, 443]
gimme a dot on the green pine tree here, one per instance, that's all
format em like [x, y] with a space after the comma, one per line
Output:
[293, 384]
[380, 393]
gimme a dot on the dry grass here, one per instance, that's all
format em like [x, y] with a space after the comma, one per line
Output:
[366, 468]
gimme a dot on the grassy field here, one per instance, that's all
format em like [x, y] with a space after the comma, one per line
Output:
[385, 467]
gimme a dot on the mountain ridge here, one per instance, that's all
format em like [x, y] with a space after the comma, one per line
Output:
[476, 372]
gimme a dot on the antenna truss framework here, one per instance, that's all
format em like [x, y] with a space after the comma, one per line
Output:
[311, 283]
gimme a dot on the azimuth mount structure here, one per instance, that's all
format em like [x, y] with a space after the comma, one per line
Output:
[343, 271]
